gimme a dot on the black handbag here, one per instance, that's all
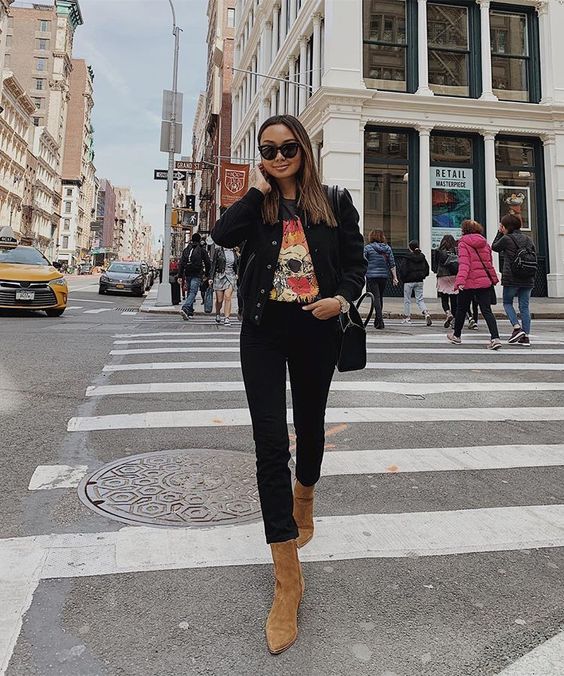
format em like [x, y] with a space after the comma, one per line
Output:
[352, 330]
[493, 295]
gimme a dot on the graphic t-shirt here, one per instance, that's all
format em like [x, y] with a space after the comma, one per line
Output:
[294, 277]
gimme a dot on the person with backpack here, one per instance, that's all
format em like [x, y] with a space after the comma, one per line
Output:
[194, 266]
[413, 270]
[476, 278]
[381, 263]
[224, 266]
[444, 263]
[518, 270]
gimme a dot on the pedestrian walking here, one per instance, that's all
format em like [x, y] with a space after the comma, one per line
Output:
[224, 267]
[517, 275]
[413, 270]
[194, 267]
[444, 263]
[300, 269]
[381, 264]
[476, 278]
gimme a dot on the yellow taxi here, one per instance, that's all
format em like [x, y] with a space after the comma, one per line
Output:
[27, 280]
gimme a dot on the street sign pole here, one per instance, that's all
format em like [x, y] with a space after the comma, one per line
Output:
[164, 293]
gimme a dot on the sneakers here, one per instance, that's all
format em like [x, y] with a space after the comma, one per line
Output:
[524, 340]
[494, 344]
[472, 324]
[218, 319]
[379, 326]
[454, 339]
[428, 319]
[185, 315]
[448, 320]
[226, 321]
[407, 320]
[517, 333]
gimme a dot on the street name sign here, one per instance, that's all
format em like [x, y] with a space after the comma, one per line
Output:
[191, 166]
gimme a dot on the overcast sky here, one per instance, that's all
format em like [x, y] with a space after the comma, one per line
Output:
[129, 44]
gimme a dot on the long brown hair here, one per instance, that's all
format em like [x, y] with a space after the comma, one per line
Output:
[377, 236]
[311, 195]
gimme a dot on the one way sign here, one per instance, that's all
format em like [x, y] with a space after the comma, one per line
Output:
[162, 175]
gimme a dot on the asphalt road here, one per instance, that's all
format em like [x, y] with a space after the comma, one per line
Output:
[426, 561]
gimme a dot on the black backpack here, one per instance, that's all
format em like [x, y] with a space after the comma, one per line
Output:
[525, 263]
[194, 263]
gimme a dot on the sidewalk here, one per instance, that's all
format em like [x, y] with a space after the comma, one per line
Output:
[541, 308]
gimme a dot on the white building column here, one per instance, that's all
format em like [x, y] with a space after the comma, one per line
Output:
[273, 102]
[291, 87]
[554, 169]
[315, 149]
[302, 91]
[293, 12]
[487, 93]
[492, 215]
[423, 54]
[547, 54]
[316, 65]
[282, 102]
[253, 79]
[264, 109]
[425, 200]
[343, 65]
[283, 22]
[275, 32]
[267, 39]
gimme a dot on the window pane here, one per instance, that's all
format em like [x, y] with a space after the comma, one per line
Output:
[384, 21]
[384, 67]
[386, 203]
[515, 154]
[449, 149]
[380, 145]
[509, 33]
[448, 73]
[447, 26]
[510, 78]
[517, 195]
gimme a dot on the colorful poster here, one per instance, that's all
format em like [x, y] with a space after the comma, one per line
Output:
[234, 179]
[452, 199]
[516, 201]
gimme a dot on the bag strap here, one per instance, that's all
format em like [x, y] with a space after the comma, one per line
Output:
[335, 201]
[486, 269]
[359, 303]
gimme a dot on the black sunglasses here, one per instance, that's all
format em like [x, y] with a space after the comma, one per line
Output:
[288, 150]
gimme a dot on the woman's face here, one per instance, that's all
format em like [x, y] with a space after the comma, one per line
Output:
[281, 167]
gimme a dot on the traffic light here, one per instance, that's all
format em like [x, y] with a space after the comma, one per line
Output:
[191, 202]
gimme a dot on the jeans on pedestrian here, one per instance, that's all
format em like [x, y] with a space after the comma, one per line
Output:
[376, 286]
[483, 299]
[287, 335]
[192, 286]
[523, 294]
[408, 288]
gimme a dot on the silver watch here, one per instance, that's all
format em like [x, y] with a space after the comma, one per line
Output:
[344, 303]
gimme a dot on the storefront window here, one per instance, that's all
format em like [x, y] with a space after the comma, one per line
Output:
[386, 179]
[452, 57]
[512, 42]
[385, 44]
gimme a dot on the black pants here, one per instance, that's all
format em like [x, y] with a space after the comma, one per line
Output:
[483, 299]
[287, 335]
[376, 286]
[449, 302]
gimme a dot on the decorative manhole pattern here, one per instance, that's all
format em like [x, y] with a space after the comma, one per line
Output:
[186, 488]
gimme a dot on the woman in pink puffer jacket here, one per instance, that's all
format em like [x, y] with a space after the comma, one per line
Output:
[475, 279]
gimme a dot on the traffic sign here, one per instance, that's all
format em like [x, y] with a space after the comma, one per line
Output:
[162, 175]
[191, 166]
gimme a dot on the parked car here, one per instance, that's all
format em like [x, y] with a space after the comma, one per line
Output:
[124, 277]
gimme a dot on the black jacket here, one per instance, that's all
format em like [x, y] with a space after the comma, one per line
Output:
[507, 246]
[218, 262]
[438, 260]
[337, 253]
[414, 267]
[203, 264]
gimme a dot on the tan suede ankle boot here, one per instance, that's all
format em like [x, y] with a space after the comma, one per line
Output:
[303, 512]
[282, 623]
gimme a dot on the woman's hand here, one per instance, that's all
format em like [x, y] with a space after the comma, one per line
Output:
[257, 180]
[324, 308]
[395, 281]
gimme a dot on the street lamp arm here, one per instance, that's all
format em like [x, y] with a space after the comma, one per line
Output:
[173, 16]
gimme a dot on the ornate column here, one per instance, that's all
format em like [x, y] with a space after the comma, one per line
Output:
[273, 102]
[487, 93]
[275, 32]
[283, 22]
[302, 90]
[291, 86]
[554, 212]
[253, 79]
[425, 198]
[423, 55]
[268, 39]
[545, 39]
[264, 109]
[293, 12]
[282, 102]
[491, 223]
[316, 65]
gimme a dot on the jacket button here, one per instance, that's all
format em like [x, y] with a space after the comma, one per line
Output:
[262, 291]
[256, 317]
[269, 267]
[258, 304]
[274, 243]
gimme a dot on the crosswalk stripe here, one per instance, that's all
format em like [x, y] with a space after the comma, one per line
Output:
[364, 414]
[56, 476]
[337, 386]
[391, 461]
[74, 307]
[129, 314]
[452, 351]
[545, 660]
[221, 331]
[380, 366]
[95, 312]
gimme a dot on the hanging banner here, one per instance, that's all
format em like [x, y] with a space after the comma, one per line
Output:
[234, 180]
[452, 198]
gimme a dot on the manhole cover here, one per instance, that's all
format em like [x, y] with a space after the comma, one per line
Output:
[194, 487]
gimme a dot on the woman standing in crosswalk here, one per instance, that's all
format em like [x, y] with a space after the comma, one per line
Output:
[224, 267]
[299, 269]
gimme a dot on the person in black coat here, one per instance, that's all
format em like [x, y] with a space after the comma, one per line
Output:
[508, 242]
[299, 269]
[413, 270]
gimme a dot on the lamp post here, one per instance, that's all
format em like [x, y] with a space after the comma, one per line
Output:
[164, 296]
